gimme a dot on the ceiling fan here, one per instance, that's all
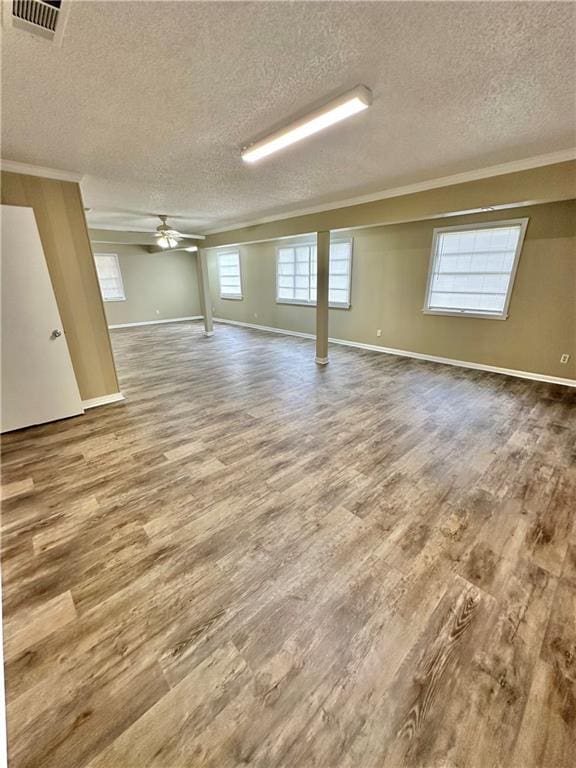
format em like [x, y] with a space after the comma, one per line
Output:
[168, 237]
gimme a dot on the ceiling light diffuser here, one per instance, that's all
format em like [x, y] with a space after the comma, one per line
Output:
[350, 103]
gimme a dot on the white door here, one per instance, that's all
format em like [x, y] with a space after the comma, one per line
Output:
[38, 381]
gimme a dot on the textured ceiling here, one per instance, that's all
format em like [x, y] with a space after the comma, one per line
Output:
[153, 100]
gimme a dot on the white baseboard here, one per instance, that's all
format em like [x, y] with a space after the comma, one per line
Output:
[415, 355]
[266, 328]
[156, 322]
[94, 402]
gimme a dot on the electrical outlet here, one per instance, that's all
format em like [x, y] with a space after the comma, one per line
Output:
[255, 315]
[564, 358]
[378, 332]
[157, 311]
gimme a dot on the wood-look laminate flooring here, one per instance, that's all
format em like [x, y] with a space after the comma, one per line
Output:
[257, 561]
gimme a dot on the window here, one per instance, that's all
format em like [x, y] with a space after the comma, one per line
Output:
[109, 276]
[296, 274]
[229, 275]
[472, 269]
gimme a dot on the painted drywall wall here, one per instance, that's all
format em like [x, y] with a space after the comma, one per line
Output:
[157, 286]
[61, 222]
[389, 274]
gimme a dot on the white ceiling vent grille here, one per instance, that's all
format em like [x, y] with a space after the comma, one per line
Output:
[45, 18]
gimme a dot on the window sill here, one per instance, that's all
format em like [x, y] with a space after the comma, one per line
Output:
[107, 300]
[310, 304]
[462, 313]
[232, 298]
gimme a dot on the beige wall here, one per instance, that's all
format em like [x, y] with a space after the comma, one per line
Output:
[390, 268]
[158, 286]
[60, 217]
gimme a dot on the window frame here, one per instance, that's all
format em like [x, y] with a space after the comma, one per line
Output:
[228, 252]
[117, 260]
[304, 303]
[487, 315]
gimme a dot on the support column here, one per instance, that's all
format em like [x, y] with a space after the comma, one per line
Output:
[322, 271]
[204, 291]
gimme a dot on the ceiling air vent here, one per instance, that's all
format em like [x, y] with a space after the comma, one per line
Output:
[45, 18]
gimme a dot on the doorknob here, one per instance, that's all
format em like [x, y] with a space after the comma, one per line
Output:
[55, 333]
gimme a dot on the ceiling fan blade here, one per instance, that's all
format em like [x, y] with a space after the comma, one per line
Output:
[169, 232]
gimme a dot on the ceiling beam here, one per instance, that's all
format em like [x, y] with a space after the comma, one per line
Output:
[115, 237]
[121, 238]
[545, 184]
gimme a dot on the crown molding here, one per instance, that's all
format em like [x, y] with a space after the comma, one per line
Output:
[422, 186]
[12, 166]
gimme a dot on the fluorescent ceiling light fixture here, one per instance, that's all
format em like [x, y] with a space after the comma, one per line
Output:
[350, 103]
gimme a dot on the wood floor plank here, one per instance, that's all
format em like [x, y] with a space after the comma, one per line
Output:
[559, 645]
[547, 736]
[30, 627]
[569, 567]
[17, 488]
[65, 725]
[255, 561]
[492, 690]
[77, 516]
[548, 535]
[166, 735]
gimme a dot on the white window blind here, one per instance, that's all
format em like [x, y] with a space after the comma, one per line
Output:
[109, 276]
[296, 274]
[229, 275]
[472, 268]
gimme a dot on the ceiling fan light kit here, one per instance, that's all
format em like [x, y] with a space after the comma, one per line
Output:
[167, 237]
[167, 241]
